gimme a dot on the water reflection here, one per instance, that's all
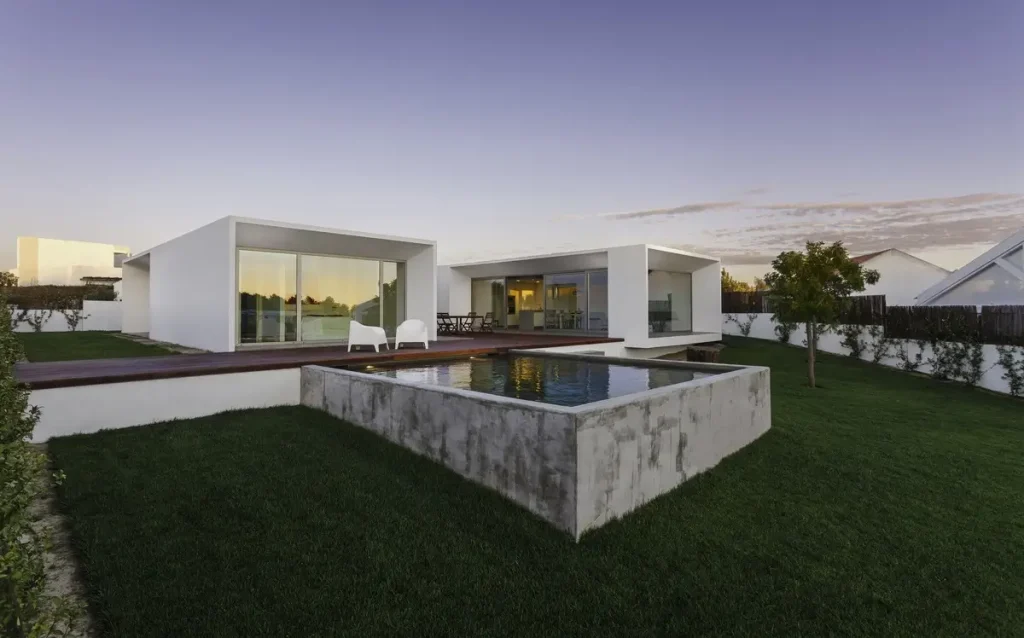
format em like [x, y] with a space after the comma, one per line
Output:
[566, 382]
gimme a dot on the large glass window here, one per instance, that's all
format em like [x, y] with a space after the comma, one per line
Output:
[669, 302]
[393, 289]
[565, 301]
[488, 296]
[598, 297]
[336, 290]
[266, 297]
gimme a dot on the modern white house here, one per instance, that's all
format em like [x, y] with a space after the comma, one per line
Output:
[652, 297]
[994, 278]
[241, 283]
[902, 275]
[65, 262]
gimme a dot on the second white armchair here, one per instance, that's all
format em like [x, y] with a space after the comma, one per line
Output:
[412, 331]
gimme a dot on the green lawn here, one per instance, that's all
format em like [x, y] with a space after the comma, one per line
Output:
[881, 503]
[69, 346]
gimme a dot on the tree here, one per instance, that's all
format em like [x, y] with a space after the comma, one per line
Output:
[8, 280]
[731, 284]
[814, 288]
[759, 285]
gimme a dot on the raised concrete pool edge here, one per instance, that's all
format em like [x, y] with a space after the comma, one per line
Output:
[576, 467]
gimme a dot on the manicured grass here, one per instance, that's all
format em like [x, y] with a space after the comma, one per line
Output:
[69, 346]
[881, 503]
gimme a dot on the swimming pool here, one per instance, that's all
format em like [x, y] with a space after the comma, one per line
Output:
[554, 380]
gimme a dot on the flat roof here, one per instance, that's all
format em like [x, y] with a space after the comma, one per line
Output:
[270, 223]
[578, 253]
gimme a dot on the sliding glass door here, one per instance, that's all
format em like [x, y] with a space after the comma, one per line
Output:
[336, 290]
[266, 297]
[597, 288]
[565, 301]
[312, 298]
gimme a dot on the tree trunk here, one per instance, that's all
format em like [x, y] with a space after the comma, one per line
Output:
[811, 338]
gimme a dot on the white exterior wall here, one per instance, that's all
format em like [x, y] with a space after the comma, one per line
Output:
[90, 408]
[421, 288]
[135, 299]
[99, 315]
[764, 328]
[444, 276]
[459, 292]
[902, 277]
[627, 293]
[192, 289]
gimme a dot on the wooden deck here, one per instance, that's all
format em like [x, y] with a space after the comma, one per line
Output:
[60, 374]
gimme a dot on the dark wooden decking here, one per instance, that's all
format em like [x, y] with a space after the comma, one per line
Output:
[59, 374]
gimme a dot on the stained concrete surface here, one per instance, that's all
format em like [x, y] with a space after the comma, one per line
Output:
[577, 468]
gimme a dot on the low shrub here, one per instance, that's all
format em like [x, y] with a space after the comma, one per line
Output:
[25, 609]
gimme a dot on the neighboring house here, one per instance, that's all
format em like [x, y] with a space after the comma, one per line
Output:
[241, 282]
[995, 278]
[652, 297]
[62, 262]
[902, 275]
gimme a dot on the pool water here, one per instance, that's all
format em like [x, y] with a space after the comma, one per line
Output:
[555, 380]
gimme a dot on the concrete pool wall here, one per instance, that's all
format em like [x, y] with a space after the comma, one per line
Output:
[576, 467]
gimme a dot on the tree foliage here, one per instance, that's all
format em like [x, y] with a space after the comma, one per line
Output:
[814, 287]
[731, 284]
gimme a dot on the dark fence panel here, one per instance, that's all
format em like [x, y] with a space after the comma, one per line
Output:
[1003, 324]
[999, 325]
[865, 310]
[733, 302]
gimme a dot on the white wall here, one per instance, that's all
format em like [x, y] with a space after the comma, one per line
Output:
[460, 295]
[64, 262]
[444, 276]
[90, 408]
[763, 328]
[421, 288]
[192, 289]
[100, 315]
[902, 277]
[135, 296]
[627, 293]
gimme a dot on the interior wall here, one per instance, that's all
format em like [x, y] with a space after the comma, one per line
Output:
[707, 298]
[677, 287]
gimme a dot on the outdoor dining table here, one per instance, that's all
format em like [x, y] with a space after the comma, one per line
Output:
[463, 323]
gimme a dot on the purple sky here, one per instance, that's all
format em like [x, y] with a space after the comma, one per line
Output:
[513, 127]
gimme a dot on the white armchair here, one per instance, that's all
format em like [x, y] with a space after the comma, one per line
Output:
[360, 335]
[412, 330]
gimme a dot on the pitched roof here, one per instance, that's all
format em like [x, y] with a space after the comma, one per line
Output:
[988, 257]
[861, 259]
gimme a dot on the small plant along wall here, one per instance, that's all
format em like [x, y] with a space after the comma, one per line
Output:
[744, 326]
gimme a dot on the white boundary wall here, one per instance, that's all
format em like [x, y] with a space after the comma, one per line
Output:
[764, 328]
[90, 408]
[102, 315]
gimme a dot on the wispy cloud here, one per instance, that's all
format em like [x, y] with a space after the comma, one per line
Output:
[686, 209]
[764, 190]
[864, 225]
